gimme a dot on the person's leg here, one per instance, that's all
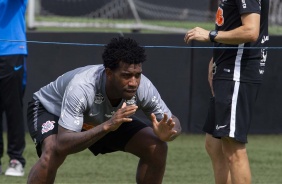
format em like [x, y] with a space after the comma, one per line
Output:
[214, 148]
[152, 153]
[238, 161]
[45, 169]
[12, 95]
[2, 70]
[1, 139]
[1, 135]
[219, 162]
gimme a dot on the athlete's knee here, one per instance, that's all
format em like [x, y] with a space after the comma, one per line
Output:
[162, 146]
[213, 146]
[233, 150]
[158, 151]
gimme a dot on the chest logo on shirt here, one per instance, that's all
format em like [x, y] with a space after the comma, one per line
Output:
[244, 5]
[131, 101]
[47, 126]
[99, 98]
[219, 20]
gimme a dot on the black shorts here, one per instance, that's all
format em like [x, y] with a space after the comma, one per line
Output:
[41, 124]
[231, 109]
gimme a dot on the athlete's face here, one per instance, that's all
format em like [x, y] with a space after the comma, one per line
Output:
[124, 81]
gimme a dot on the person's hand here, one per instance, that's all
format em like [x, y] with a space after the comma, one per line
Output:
[120, 116]
[164, 128]
[198, 34]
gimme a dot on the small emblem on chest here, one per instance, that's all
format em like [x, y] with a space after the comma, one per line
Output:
[99, 98]
[131, 101]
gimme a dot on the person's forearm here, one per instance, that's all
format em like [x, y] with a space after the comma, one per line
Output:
[236, 36]
[248, 32]
[73, 142]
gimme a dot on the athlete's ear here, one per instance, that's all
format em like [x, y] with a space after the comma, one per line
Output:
[109, 73]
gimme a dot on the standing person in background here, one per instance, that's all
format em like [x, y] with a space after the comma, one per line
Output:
[235, 76]
[13, 79]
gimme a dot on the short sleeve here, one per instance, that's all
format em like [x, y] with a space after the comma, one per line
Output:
[150, 100]
[73, 106]
[248, 6]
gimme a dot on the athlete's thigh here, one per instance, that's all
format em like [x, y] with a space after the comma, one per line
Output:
[41, 124]
[118, 139]
[143, 142]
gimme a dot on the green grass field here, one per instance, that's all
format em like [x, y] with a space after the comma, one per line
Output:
[187, 163]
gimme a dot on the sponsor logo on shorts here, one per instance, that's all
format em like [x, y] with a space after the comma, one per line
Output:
[219, 127]
[47, 126]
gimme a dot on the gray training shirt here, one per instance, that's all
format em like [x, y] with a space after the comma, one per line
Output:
[79, 96]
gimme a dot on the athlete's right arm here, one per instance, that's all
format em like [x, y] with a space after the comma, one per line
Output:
[247, 32]
[69, 142]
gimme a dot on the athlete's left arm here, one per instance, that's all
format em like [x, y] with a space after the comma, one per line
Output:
[166, 125]
[247, 32]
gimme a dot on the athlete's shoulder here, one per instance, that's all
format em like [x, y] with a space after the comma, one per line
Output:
[86, 79]
[87, 73]
[145, 82]
[146, 88]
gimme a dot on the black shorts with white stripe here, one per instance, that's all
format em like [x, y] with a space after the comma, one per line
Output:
[231, 109]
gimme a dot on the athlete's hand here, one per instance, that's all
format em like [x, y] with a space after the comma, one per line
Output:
[120, 116]
[164, 129]
[198, 34]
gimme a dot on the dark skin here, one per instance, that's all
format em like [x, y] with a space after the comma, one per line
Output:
[121, 83]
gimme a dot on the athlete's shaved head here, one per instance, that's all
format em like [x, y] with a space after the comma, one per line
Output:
[122, 49]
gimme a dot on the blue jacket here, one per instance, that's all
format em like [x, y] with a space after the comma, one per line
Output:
[12, 27]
